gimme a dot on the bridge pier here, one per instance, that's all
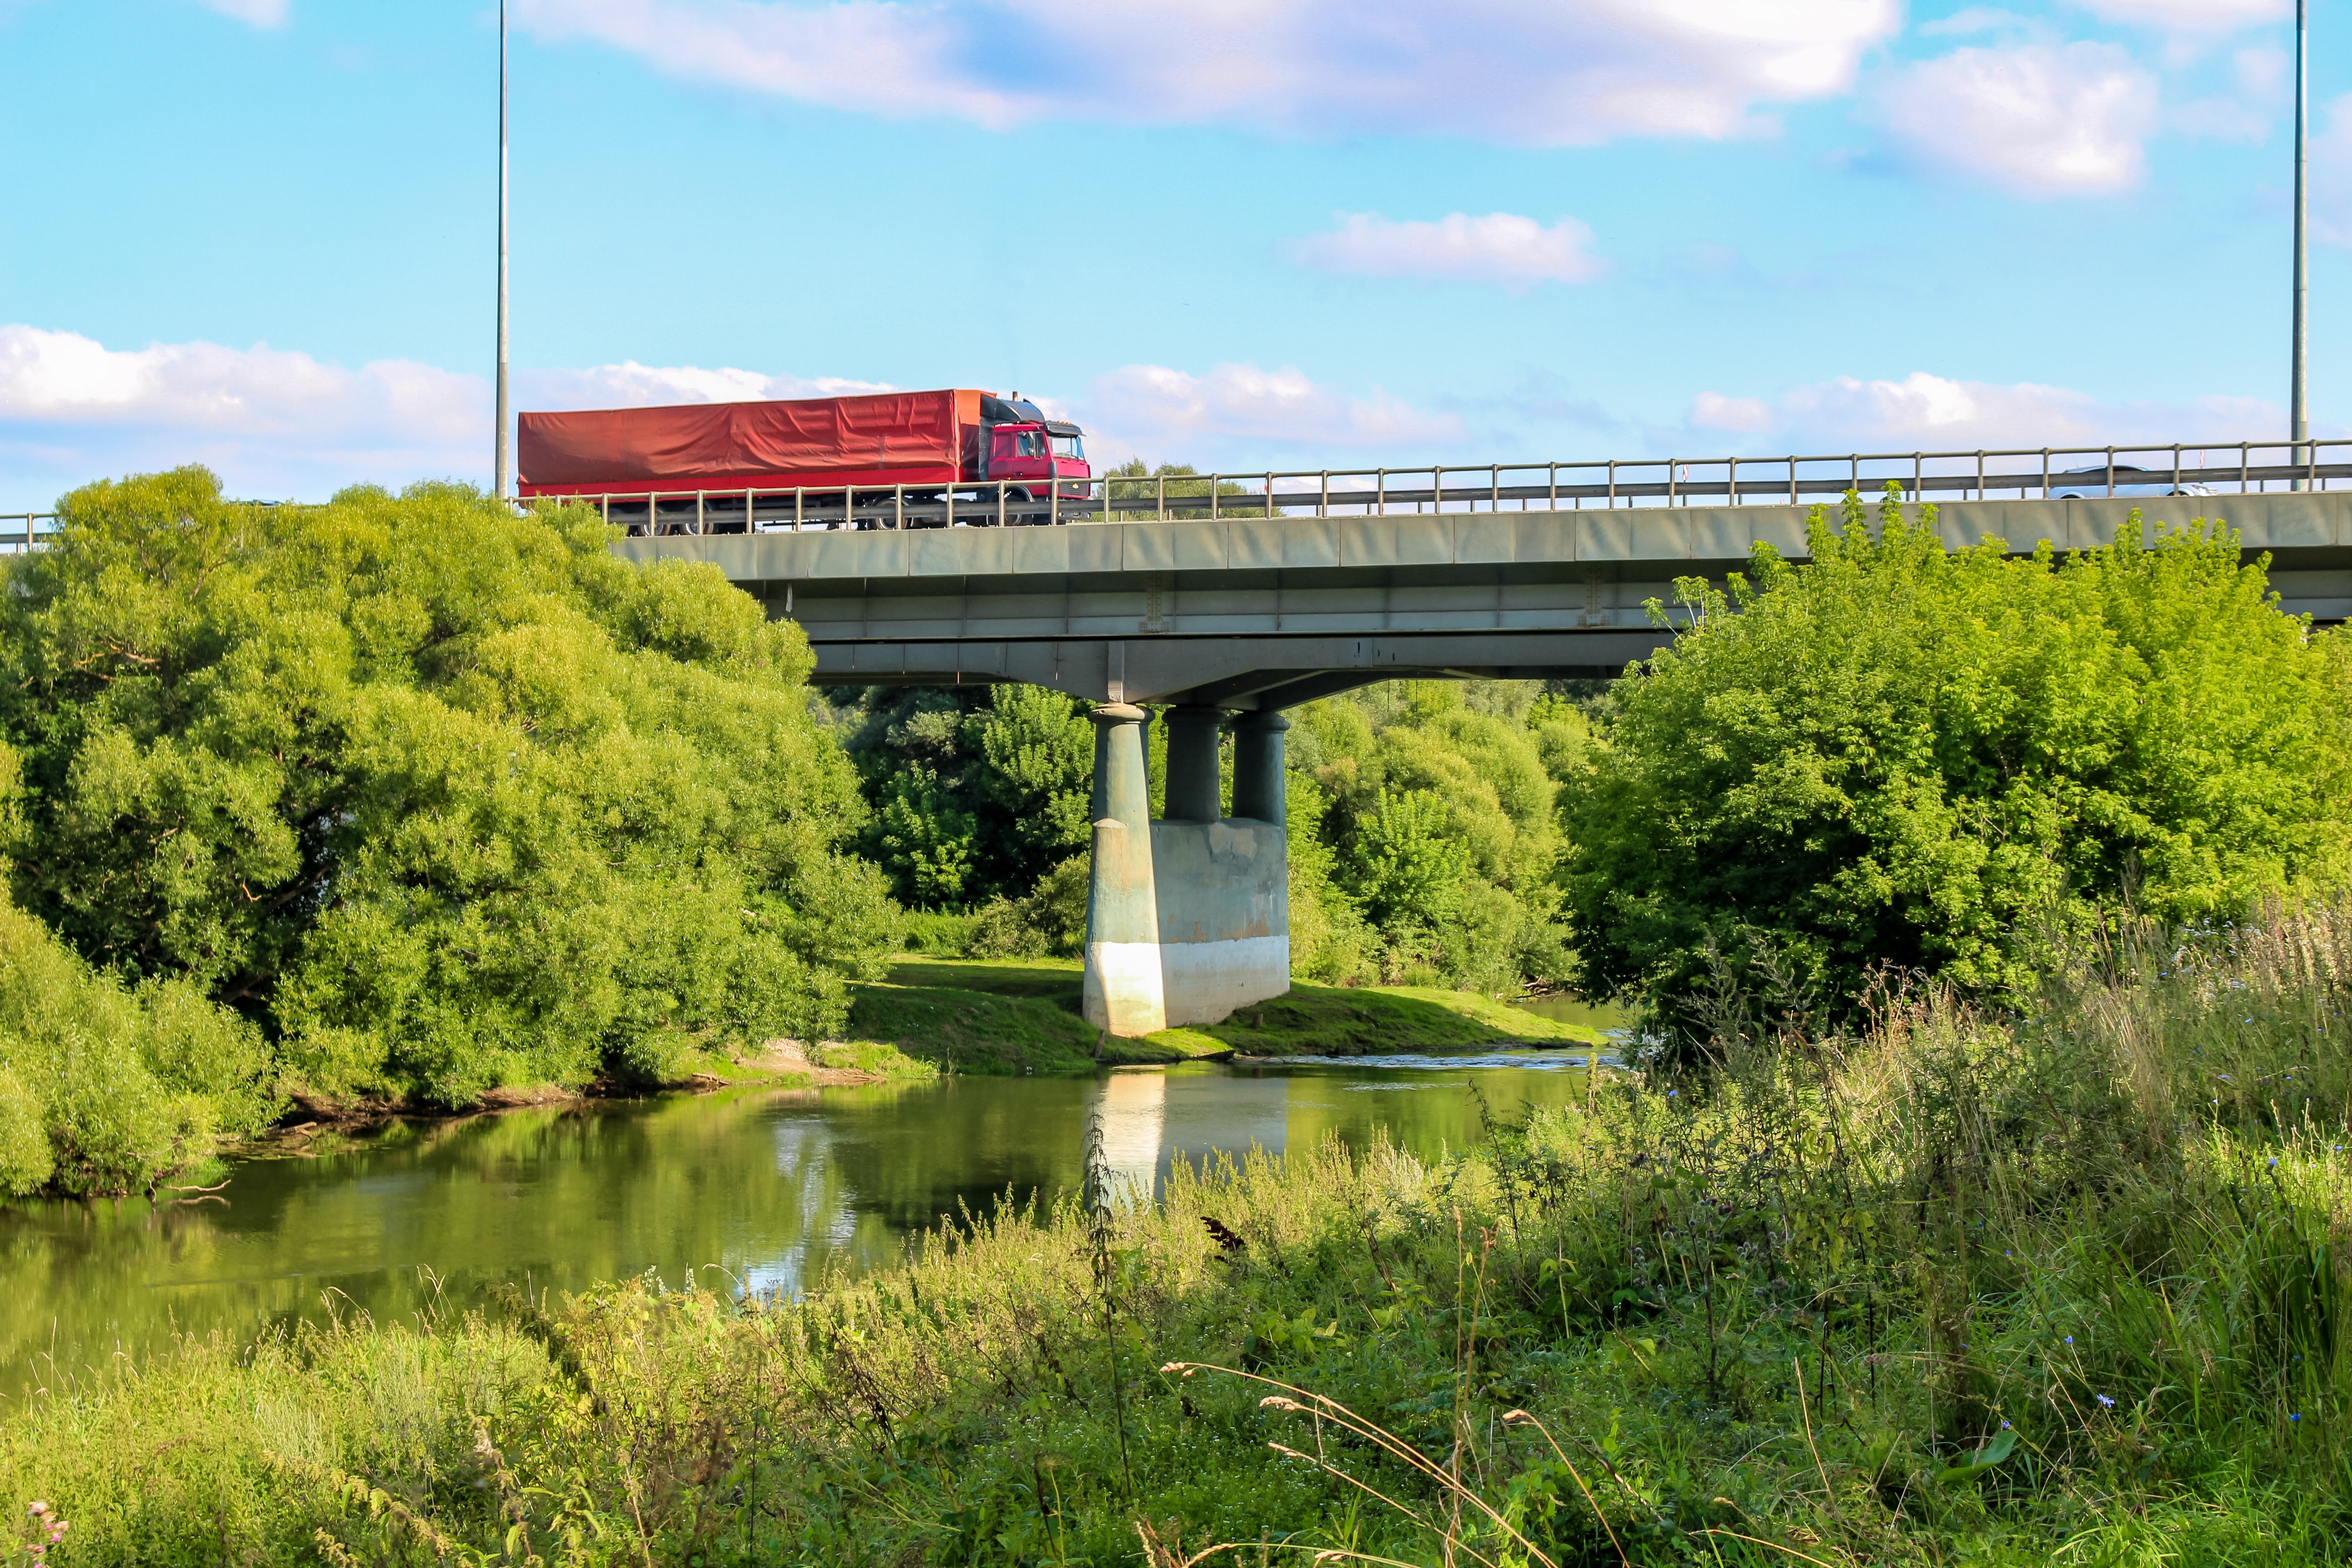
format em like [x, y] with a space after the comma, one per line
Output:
[1189, 917]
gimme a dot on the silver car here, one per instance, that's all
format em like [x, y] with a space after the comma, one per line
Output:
[2092, 484]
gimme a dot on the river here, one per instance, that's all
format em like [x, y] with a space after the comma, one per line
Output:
[743, 1188]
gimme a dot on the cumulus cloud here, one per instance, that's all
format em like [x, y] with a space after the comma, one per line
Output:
[2190, 15]
[2036, 119]
[270, 421]
[276, 423]
[261, 12]
[1536, 72]
[1934, 412]
[1500, 247]
[633, 385]
[1235, 411]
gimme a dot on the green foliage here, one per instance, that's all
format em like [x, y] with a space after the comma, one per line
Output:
[104, 1087]
[1431, 845]
[1960, 1289]
[1138, 483]
[1901, 754]
[979, 792]
[444, 796]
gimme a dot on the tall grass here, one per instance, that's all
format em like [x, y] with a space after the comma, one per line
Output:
[2062, 1283]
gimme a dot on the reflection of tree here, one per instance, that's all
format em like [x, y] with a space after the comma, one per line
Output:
[772, 1186]
[769, 1185]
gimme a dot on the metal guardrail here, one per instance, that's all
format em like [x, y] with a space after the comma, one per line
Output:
[20, 530]
[2046, 472]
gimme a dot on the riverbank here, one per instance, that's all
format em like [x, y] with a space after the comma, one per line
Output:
[1968, 1288]
[1021, 1016]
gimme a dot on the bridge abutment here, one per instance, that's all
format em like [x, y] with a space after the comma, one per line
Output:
[1187, 917]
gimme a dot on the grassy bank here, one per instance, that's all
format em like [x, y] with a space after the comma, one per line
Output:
[1020, 1016]
[1968, 1289]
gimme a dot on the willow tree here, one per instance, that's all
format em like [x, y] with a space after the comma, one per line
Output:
[443, 796]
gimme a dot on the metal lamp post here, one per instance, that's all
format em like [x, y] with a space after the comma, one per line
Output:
[2299, 411]
[503, 464]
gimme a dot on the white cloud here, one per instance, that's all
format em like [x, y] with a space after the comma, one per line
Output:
[1236, 410]
[274, 423]
[1713, 411]
[633, 385]
[2190, 15]
[269, 421]
[1934, 412]
[261, 12]
[1500, 247]
[2035, 119]
[1528, 71]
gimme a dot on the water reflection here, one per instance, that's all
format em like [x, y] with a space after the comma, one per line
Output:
[764, 1188]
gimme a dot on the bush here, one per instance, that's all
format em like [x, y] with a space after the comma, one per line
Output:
[1902, 755]
[107, 1089]
[445, 796]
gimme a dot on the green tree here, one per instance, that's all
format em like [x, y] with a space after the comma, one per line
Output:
[1036, 748]
[1903, 754]
[443, 796]
[925, 837]
[1406, 866]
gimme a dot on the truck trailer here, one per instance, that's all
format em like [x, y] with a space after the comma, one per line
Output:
[913, 459]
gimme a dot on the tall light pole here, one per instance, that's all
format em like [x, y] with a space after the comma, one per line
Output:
[2299, 410]
[502, 467]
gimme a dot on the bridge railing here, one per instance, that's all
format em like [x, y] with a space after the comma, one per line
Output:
[2028, 473]
[20, 530]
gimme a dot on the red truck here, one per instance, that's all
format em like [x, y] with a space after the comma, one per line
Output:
[914, 459]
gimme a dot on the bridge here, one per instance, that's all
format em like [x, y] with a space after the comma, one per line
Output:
[1238, 597]
[1231, 597]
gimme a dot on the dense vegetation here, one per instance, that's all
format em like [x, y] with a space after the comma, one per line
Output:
[2058, 1287]
[1936, 760]
[434, 796]
[1424, 823]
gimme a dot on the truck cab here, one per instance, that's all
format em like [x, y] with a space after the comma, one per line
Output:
[1017, 442]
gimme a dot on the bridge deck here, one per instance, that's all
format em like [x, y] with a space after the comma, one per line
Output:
[1263, 612]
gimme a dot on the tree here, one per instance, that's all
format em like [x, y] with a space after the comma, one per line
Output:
[1038, 749]
[441, 795]
[1903, 754]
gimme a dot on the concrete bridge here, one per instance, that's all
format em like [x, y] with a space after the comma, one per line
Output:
[1232, 619]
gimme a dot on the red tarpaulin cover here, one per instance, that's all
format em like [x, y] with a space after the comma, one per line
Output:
[889, 438]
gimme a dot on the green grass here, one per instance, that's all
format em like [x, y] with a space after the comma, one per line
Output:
[1337, 1020]
[1972, 1289]
[996, 1018]
[1020, 1016]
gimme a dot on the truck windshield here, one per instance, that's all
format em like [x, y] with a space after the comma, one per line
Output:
[1068, 446]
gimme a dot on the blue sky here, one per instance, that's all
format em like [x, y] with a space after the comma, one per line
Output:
[258, 232]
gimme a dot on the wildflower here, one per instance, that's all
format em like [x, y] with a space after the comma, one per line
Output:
[2274, 1162]
[2004, 1426]
[2104, 1400]
[2294, 1416]
[2070, 1339]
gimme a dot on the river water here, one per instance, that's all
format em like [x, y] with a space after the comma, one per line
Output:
[748, 1188]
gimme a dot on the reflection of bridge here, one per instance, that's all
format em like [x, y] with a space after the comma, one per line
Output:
[1238, 617]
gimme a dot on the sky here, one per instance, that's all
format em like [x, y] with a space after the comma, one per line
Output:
[1241, 233]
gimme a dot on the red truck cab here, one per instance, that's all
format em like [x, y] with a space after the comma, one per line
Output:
[1018, 442]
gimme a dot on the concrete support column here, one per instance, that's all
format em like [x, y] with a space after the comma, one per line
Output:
[1192, 787]
[1259, 790]
[1123, 989]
